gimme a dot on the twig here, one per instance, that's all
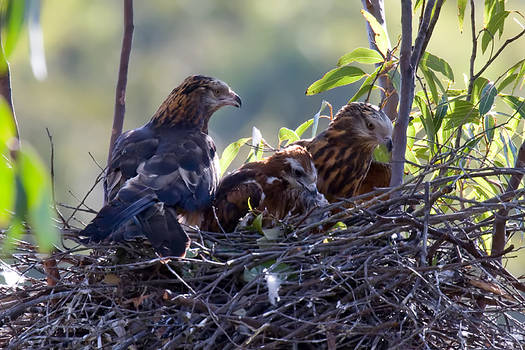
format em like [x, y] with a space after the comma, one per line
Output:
[499, 235]
[52, 171]
[120, 94]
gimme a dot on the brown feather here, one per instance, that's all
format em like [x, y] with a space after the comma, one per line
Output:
[280, 185]
[343, 152]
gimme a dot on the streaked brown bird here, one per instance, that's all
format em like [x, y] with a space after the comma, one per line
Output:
[343, 152]
[282, 184]
[165, 170]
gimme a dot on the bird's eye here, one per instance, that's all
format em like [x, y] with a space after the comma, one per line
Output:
[298, 173]
[369, 125]
[216, 91]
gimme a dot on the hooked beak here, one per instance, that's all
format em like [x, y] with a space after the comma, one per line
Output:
[233, 99]
[311, 188]
[388, 143]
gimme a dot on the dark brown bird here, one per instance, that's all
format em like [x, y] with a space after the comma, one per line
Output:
[343, 152]
[164, 169]
[282, 184]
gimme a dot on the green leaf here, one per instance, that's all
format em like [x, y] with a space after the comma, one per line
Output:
[361, 55]
[7, 129]
[230, 152]
[257, 224]
[489, 124]
[37, 187]
[7, 186]
[477, 89]
[417, 5]
[496, 23]
[488, 94]
[516, 103]
[13, 26]
[462, 4]
[303, 127]
[441, 111]
[426, 117]
[336, 77]
[505, 149]
[381, 38]
[366, 86]
[287, 134]
[431, 79]
[461, 112]
[437, 64]
[507, 81]
[381, 154]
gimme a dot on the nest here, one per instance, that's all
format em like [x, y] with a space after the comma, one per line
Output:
[384, 274]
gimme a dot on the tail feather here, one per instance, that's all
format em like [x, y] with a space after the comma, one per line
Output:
[114, 214]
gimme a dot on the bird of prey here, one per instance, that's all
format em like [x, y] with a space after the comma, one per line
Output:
[165, 169]
[343, 152]
[378, 176]
[282, 184]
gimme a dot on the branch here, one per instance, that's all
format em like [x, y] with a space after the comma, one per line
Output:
[422, 34]
[377, 9]
[407, 95]
[500, 233]
[120, 94]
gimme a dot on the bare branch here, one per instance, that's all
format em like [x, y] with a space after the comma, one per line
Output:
[407, 95]
[500, 233]
[120, 95]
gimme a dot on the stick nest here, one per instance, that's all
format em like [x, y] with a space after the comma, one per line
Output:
[372, 284]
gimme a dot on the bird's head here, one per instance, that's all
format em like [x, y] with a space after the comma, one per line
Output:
[194, 101]
[365, 123]
[295, 165]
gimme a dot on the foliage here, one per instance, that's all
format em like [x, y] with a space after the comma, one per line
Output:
[24, 180]
[26, 190]
[488, 132]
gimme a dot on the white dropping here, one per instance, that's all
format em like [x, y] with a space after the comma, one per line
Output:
[274, 283]
[11, 277]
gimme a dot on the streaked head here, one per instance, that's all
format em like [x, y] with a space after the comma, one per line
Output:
[364, 122]
[195, 100]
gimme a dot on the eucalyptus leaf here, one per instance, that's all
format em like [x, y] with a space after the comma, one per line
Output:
[380, 37]
[516, 103]
[462, 4]
[488, 94]
[230, 152]
[289, 135]
[366, 86]
[361, 55]
[14, 20]
[495, 24]
[437, 64]
[303, 127]
[336, 77]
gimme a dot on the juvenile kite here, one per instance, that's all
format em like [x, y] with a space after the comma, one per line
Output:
[165, 169]
[282, 184]
[343, 152]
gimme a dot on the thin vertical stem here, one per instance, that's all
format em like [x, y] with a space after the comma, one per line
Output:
[120, 94]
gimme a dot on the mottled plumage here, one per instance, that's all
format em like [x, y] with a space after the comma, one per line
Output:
[282, 184]
[342, 153]
[164, 169]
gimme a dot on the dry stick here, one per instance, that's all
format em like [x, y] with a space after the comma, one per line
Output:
[407, 92]
[377, 9]
[500, 235]
[409, 61]
[120, 94]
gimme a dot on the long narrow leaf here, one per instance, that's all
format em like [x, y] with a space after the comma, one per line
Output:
[336, 77]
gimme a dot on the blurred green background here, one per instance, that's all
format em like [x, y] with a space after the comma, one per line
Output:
[267, 51]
